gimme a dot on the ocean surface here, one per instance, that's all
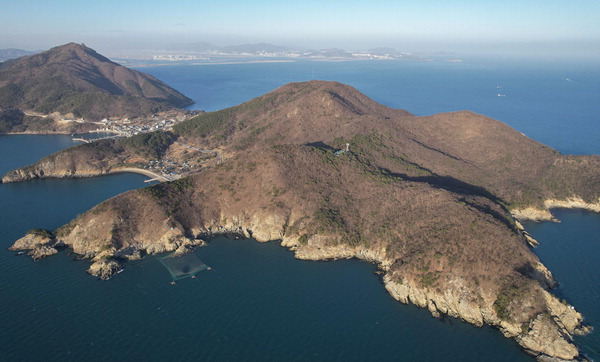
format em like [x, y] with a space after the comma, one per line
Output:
[555, 103]
[258, 302]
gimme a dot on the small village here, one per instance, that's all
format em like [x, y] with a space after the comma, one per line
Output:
[189, 160]
[164, 121]
[172, 169]
[186, 158]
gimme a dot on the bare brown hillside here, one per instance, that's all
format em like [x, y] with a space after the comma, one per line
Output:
[74, 79]
[429, 199]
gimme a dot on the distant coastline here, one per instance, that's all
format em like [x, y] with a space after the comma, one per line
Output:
[135, 63]
[146, 65]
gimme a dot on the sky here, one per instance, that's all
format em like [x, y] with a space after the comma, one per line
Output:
[517, 26]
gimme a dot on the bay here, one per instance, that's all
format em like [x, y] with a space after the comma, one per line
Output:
[257, 303]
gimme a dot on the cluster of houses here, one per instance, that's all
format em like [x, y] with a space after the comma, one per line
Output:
[128, 127]
[169, 167]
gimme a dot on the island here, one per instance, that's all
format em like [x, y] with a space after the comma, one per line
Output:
[327, 172]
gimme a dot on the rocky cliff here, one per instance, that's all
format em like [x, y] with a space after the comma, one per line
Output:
[543, 213]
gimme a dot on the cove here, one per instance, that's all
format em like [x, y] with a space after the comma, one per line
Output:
[258, 302]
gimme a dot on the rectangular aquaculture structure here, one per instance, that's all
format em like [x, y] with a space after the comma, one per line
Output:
[182, 266]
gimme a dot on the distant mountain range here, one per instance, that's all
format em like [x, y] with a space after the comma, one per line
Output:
[74, 79]
[254, 48]
[202, 49]
[6, 54]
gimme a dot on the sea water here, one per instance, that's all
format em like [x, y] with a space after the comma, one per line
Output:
[258, 302]
[571, 250]
[555, 103]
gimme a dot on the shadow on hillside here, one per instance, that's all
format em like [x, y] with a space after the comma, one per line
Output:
[447, 183]
[452, 184]
[321, 145]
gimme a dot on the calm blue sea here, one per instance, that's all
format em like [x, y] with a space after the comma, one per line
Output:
[258, 302]
[555, 103]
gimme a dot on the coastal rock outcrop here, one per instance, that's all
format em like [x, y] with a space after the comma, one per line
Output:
[533, 214]
[544, 336]
[49, 170]
[42, 251]
[544, 214]
[573, 202]
[39, 244]
[105, 268]
[31, 241]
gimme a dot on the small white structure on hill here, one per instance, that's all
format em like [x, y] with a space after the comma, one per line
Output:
[347, 150]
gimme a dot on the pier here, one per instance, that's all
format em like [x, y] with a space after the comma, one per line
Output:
[85, 140]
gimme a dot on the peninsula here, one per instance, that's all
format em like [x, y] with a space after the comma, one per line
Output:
[69, 88]
[332, 174]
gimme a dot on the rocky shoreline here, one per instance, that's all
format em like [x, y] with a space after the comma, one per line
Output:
[548, 336]
[545, 214]
[55, 133]
[21, 175]
[83, 174]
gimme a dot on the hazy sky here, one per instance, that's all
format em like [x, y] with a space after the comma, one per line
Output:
[426, 25]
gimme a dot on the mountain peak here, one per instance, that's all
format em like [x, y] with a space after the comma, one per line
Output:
[76, 51]
[301, 112]
[342, 98]
[72, 45]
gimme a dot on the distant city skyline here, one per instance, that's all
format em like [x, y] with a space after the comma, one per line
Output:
[509, 27]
